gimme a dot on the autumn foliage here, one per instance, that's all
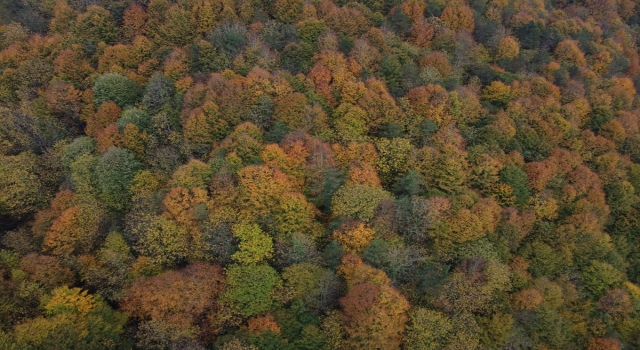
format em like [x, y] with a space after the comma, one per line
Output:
[329, 174]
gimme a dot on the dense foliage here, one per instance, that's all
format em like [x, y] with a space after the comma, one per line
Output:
[318, 174]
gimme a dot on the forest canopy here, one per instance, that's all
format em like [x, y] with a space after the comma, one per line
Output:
[319, 174]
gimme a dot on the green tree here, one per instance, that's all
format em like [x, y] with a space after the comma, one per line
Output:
[114, 171]
[159, 92]
[318, 287]
[427, 330]
[250, 289]
[177, 28]
[599, 277]
[357, 201]
[108, 273]
[79, 146]
[255, 246]
[164, 241]
[394, 158]
[230, 37]
[451, 170]
[21, 190]
[116, 88]
[519, 182]
[135, 116]
[83, 176]
[97, 24]
[350, 123]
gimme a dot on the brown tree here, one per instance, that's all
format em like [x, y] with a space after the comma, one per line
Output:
[374, 312]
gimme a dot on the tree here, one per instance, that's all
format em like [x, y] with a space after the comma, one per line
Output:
[458, 17]
[83, 176]
[463, 292]
[182, 298]
[291, 110]
[318, 287]
[622, 93]
[421, 33]
[497, 93]
[46, 270]
[373, 312]
[294, 214]
[362, 174]
[63, 99]
[75, 231]
[177, 65]
[230, 37]
[108, 271]
[71, 65]
[259, 324]
[353, 235]
[261, 188]
[568, 51]
[254, 247]
[527, 299]
[485, 172]
[176, 29]
[497, 328]
[394, 157]
[519, 182]
[135, 116]
[97, 24]
[616, 302]
[73, 319]
[357, 201]
[603, 344]
[464, 226]
[109, 137]
[116, 88]
[351, 123]
[194, 174]
[114, 171]
[21, 190]
[288, 11]
[451, 170]
[107, 114]
[427, 329]
[63, 14]
[134, 21]
[508, 48]
[540, 173]
[158, 93]
[439, 62]
[203, 127]
[159, 334]
[246, 141]
[165, 242]
[250, 289]
[134, 140]
[419, 217]
[600, 276]
[204, 17]
[348, 21]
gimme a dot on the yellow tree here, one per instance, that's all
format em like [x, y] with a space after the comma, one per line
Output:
[458, 17]
[353, 235]
[508, 47]
[260, 188]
